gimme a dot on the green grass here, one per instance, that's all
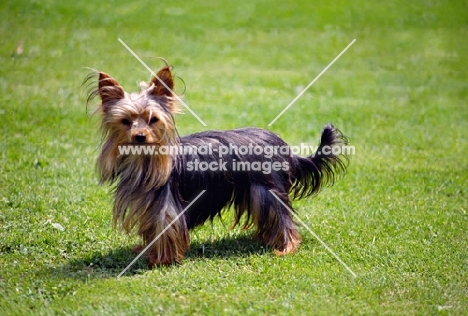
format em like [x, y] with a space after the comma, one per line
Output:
[398, 218]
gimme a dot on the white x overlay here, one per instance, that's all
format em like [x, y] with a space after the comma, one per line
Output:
[271, 123]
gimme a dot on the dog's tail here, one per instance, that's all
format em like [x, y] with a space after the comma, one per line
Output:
[321, 169]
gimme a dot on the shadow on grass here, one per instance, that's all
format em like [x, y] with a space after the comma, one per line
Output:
[101, 265]
[111, 264]
[228, 247]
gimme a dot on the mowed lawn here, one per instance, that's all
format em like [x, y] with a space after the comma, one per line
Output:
[398, 218]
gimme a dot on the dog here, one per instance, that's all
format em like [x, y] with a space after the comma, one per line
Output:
[155, 186]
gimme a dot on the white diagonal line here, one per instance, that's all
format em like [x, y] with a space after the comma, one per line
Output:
[160, 234]
[311, 83]
[164, 84]
[315, 235]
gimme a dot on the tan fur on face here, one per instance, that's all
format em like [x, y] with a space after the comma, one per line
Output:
[124, 116]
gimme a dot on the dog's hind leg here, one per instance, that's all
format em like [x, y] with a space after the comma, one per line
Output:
[274, 224]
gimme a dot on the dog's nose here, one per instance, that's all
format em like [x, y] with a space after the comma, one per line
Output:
[140, 138]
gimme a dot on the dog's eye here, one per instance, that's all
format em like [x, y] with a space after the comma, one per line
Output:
[126, 122]
[153, 120]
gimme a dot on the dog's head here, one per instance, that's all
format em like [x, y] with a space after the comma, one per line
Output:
[145, 117]
[137, 119]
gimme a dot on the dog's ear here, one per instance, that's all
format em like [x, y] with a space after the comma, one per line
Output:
[109, 89]
[163, 83]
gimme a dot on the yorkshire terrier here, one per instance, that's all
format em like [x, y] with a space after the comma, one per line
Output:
[163, 173]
